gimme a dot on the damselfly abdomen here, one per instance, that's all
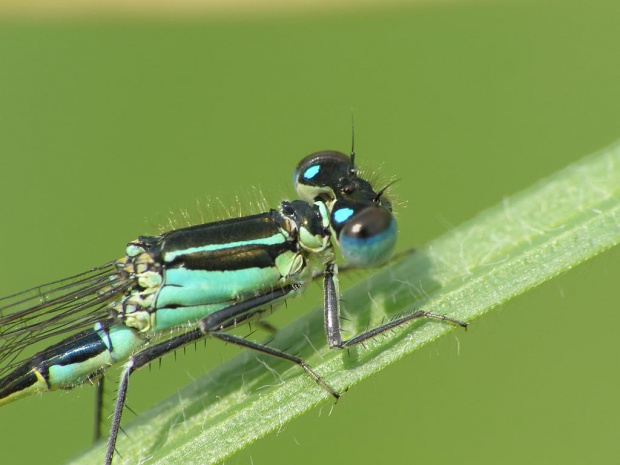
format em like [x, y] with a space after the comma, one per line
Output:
[196, 282]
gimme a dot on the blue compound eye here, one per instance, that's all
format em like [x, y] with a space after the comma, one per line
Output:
[368, 238]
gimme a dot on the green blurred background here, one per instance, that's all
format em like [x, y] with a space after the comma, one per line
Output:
[108, 125]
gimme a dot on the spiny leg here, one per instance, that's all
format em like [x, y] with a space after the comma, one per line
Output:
[214, 324]
[211, 325]
[331, 308]
[224, 318]
[395, 323]
[136, 362]
[275, 353]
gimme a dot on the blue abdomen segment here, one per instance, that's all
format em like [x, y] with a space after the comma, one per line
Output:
[71, 362]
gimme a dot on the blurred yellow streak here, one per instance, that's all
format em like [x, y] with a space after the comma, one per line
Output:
[181, 8]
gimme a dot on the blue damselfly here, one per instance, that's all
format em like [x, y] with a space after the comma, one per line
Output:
[200, 281]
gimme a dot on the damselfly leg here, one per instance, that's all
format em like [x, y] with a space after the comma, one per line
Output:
[212, 326]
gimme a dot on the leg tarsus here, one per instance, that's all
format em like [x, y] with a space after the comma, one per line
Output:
[232, 339]
[360, 338]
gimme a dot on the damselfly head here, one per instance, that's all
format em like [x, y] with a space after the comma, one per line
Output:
[331, 175]
[361, 218]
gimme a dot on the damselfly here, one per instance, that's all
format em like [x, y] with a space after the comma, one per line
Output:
[200, 281]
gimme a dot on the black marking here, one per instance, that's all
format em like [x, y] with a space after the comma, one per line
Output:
[76, 349]
[233, 258]
[219, 233]
[20, 379]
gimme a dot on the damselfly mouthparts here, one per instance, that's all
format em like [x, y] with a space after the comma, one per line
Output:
[201, 281]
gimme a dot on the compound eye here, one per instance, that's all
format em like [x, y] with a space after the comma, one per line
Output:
[318, 174]
[368, 237]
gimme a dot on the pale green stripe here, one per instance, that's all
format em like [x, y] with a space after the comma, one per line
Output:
[271, 240]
